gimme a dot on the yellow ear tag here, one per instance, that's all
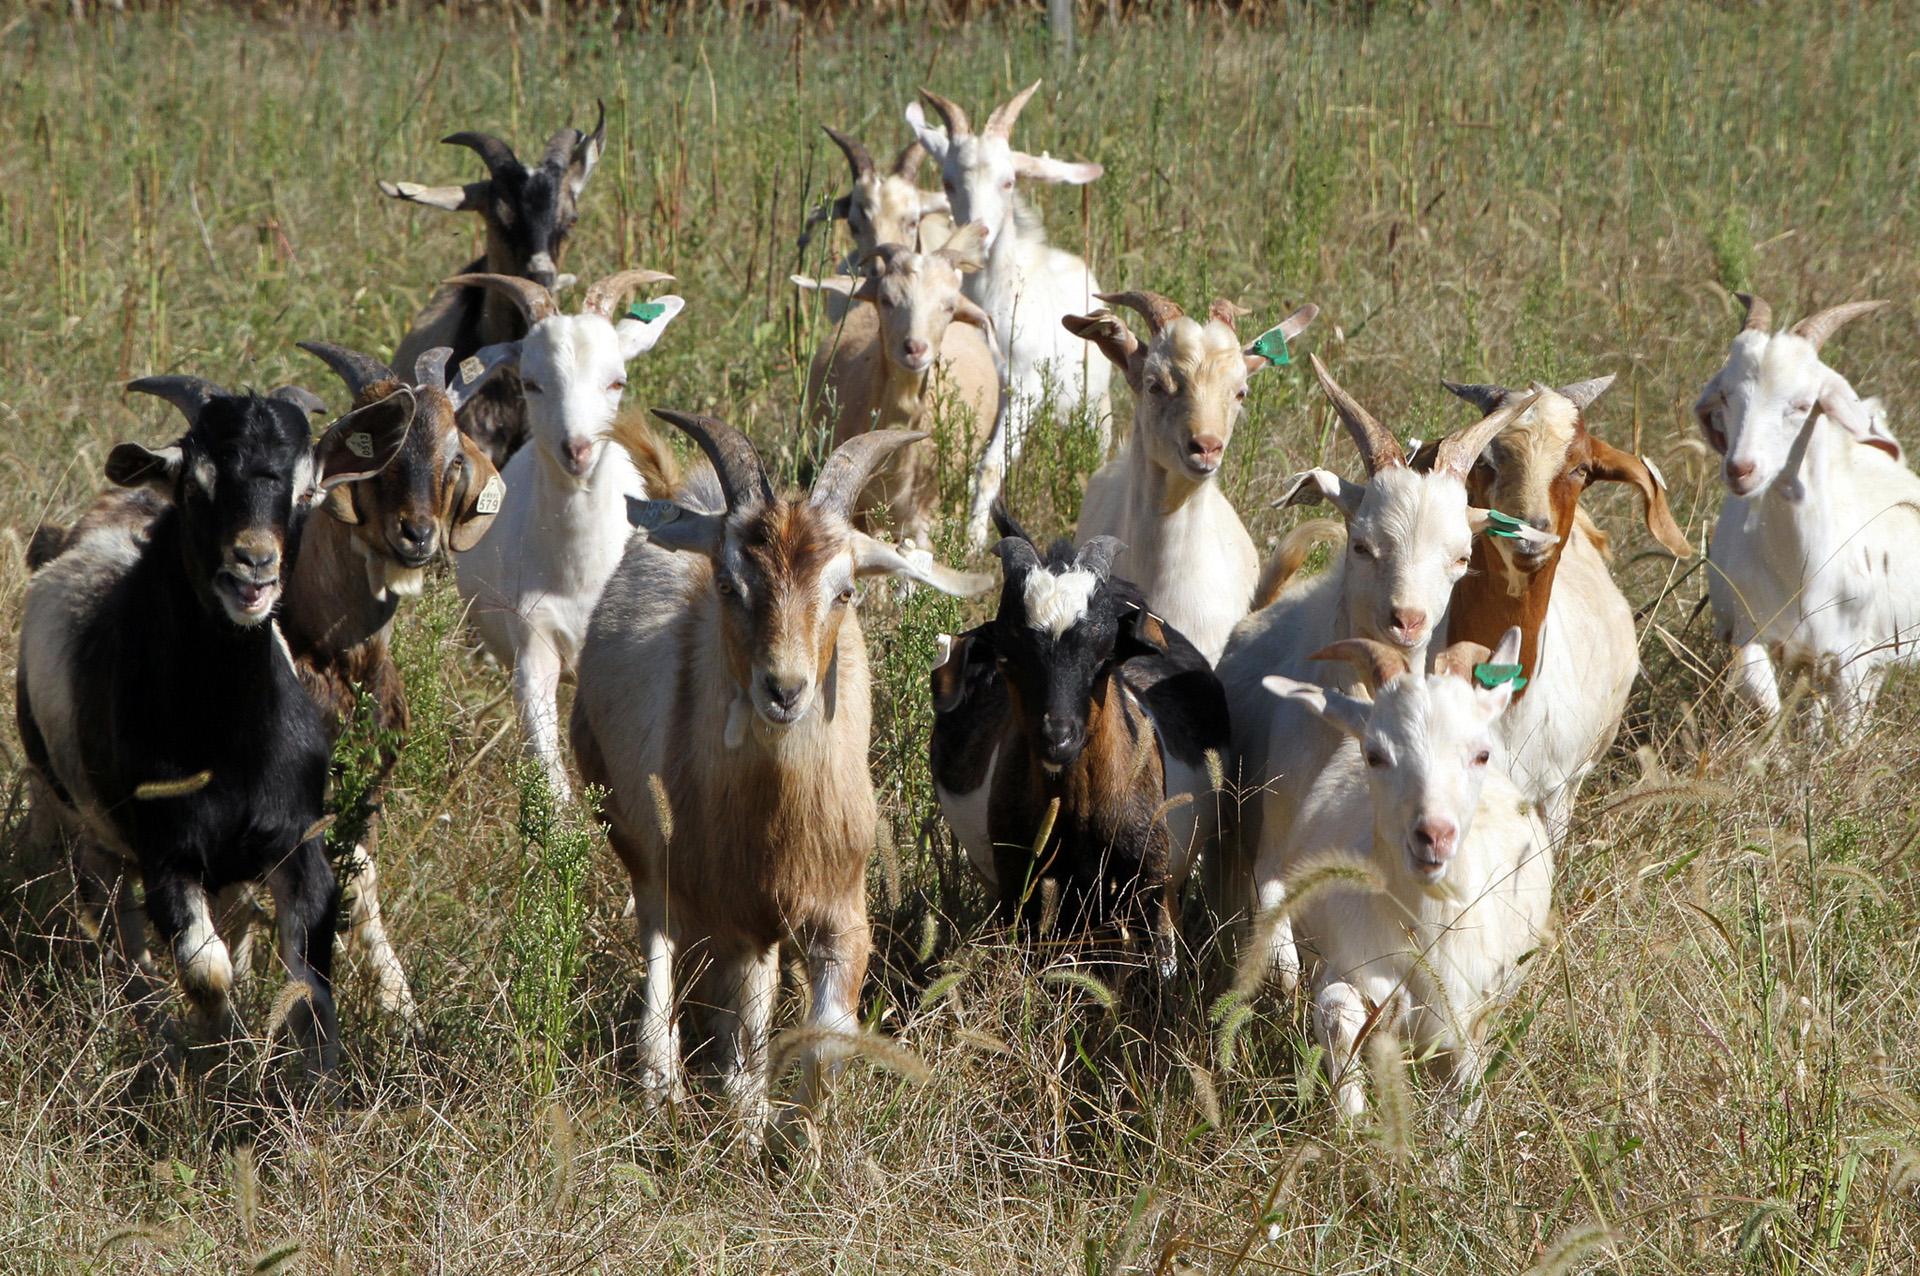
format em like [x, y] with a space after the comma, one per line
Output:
[490, 497]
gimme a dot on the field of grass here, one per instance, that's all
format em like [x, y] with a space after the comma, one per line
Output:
[1712, 1067]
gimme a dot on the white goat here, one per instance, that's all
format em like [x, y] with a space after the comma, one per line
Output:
[1463, 865]
[1409, 540]
[724, 706]
[920, 348]
[1027, 286]
[1821, 505]
[562, 527]
[1185, 547]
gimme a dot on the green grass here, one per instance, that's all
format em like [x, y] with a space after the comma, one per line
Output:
[1712, 1064]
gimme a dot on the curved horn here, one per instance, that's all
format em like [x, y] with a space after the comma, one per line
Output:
[1818, 327]
[907, 163]
[189, 394]
[1378, 448]
[1377, 662]
[605, 296]
[1456, 453]
[1759, 313]
[535, 302]
[859, 158]
[1159, 311]
[1000, 123]
[743, 481]
[358, 370]
[1097, 555]
[1487, 398]
[950, 114]
[1017, 555]
[845, 474]
[430, 369]
[1583, 394]
[1459, 658]
[493, 152]
[559, 150]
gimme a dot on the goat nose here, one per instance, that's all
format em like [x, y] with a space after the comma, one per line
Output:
[416, 533]
[1206, 447]
[784, 693]
[1740, 471]
[257, 555]
[1060, 736]
[1438, 838]
[579, 453]
[916, 348]
[1409, 622]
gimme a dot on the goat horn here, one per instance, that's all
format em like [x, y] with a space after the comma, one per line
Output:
[950, 114]
[1097, 555]
[907, 163]
[1759, 313]
[189, 394]
[559, 151]
[605, 296]
[1487, 398]
[1583, 394]
[1817, 328]
[845, 474]
[1159, 311]
[493, 152]
[1459, 658]
[300, 397]
[1456, 453]
[1000, 123]
[1227, 312]
[1378, 448]
[1378, 663]
[743, 480]
[430, 369]
[859, 158]
[1017, 554]
[358, 370]
[886, 255]
[535, 302]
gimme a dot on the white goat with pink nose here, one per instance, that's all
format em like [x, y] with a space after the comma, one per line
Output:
[1820, 507]
[1461, 865]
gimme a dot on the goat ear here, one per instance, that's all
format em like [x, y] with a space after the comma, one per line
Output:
[637, 336]
[1479, 520]
[1610, 464]
[359, 444]
[1310, 487]
[964, 311]
[949, 678]
[1336, 707]
[477, 497]
[131, 465]
[1141, 634]
[967, 246]
[586, 155]
[340, 505]
[842, 284]
[877, 558]
[673, 526]
[934, 139]
[1858, 417]
[1045, 168]
[1114, 338]
[475, 370]
[470, 198]
[1270, 347]
[935, 202]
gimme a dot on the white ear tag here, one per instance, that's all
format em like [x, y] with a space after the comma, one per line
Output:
[471, 369]
[361, 445]
[490, 497]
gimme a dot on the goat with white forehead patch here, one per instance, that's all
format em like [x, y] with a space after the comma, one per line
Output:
[157, 703]
[1027, 285]
[1463, 867]
[529, 211]
[916, 353]
[724, 705]
[1183, 544]
[1076, 693]
[1579, 652]
[1409, 541]
[563, 520]
[1820, 506]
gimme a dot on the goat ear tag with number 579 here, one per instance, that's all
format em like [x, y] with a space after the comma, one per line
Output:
[360, 444]
[490, 497]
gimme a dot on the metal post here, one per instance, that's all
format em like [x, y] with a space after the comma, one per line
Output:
[1060, 23]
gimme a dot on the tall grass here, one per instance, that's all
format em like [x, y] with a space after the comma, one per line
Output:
[1708, 1070]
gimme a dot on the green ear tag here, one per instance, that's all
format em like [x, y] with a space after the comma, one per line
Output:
[646, 311]
[1491, 676]
[1506, 525]
[1271, 345]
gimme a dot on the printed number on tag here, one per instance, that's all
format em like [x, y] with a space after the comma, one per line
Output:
[361, 445]
[471, 368]
[490, 496]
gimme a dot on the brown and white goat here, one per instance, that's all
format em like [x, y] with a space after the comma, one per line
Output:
[1578, 652]
[723, 705]
[528, 212]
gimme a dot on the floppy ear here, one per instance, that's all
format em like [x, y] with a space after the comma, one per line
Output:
[1044, 168]
[949, 679]
[1335, 707]
[131, 465]
[877, 558]
[676, 527]
[477, 497]
[341, 506]
[470, 198]
[1612, 465]
[1310, 487]
[1857, 417]
[477, 368]
[637, 336]
[1141, 634]
[359, 444]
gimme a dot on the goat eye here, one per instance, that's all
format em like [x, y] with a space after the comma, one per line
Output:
[1581, 473]
[846, 594]
[1375, 759]
[532, 387]
[1365, 550]
[616, 387]
[1462, 561]
[1480, 758]
[1240, 395]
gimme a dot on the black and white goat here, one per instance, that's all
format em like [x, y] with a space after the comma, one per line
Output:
[158, 704]
[1076, 693]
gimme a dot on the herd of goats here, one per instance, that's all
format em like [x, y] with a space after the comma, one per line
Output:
[1372, 763]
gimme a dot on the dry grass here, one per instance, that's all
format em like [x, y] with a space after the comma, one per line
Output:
[1710, 1069]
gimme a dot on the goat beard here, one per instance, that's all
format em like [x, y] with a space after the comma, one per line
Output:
[389, 580]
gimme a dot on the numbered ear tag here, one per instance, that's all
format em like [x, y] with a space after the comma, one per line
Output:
[1506, 525]
[490, 497]
[1491, 676]
[646, 311]
[1271, 345]
[361, 445]
[471, 369]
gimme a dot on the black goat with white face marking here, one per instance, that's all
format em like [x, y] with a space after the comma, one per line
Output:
[1075, 693]
[158, 706]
